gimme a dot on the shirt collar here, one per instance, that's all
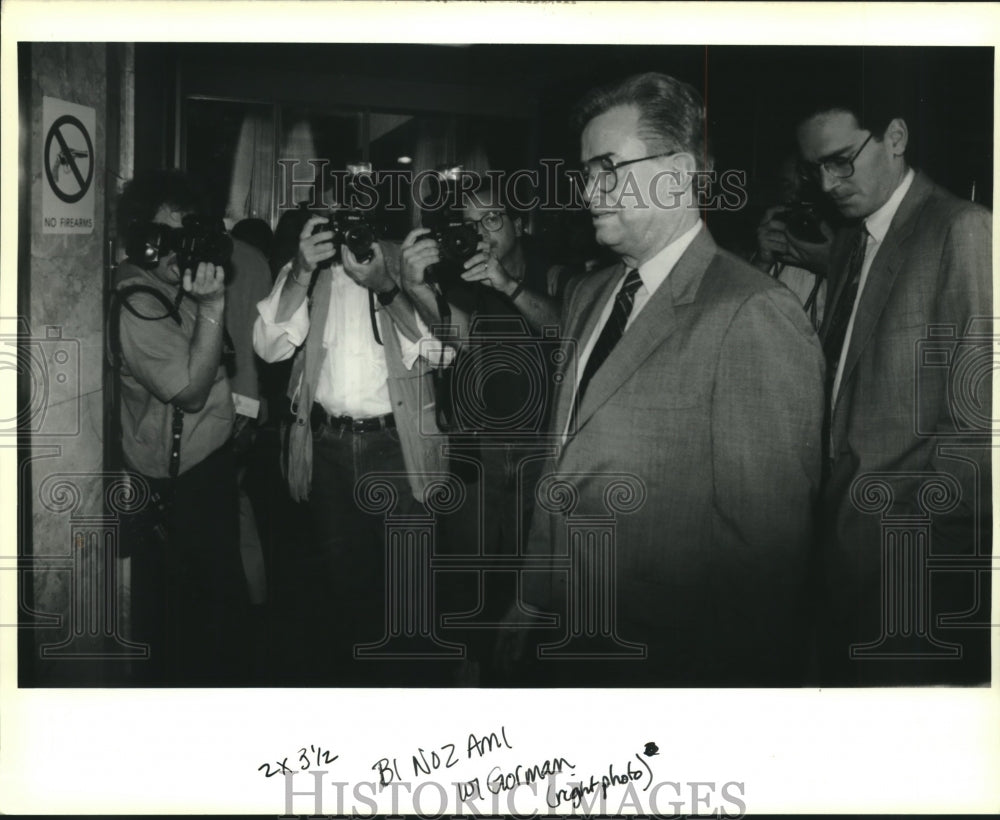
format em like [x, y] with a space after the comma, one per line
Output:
[655, 271]
[878, 222]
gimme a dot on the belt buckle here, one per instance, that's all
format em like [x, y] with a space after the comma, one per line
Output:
[358, 425]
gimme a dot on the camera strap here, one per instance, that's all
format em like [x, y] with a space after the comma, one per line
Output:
[444, 309]
[444, 404]
[312, 282]
[810, 305]
[371, 312]
[122, 296]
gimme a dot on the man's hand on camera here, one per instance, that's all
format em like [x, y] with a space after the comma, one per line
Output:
[772, 237]
[313, 249]
[776, 244]
[485, 268]
[372, 274]
[420, 251]
[207, 284]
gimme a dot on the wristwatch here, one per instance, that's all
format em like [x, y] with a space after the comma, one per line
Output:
[385, 297]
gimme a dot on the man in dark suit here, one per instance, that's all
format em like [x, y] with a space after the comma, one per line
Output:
[696, 430]
[906, 509]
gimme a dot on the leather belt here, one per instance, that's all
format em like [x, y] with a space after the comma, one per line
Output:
[319, 417]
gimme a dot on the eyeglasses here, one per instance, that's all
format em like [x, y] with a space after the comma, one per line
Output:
[493, 221]
[604, 172]
[839, 167]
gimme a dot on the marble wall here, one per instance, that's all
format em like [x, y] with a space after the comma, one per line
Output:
[70, 576]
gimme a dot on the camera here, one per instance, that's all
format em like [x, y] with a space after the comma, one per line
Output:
[351, 224]
[352, 228]
[199, 239]
[457, 240]
[802, 220]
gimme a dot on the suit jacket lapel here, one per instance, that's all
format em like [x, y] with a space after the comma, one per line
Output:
[882, 273]
[651, 327]
[592, 298]
[840, 261]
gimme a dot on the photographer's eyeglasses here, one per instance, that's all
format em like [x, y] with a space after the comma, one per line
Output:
[604, 172]
[493, 221]
[839, 167]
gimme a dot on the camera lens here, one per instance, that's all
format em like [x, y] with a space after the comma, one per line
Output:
[459, 242]
[219, 249]
[360, 239]
[803, 223]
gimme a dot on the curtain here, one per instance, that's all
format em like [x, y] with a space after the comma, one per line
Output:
[251, 190]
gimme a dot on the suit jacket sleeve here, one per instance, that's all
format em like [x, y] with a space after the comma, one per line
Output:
[767, 414]
[542, 586]
[964, 293]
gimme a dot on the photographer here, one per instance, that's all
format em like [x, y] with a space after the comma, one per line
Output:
[794, 240]
[176, 417]
[503, 262]
[495, 398]
[357, 391]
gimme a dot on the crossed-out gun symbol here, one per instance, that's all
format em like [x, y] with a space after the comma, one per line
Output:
[62, 160]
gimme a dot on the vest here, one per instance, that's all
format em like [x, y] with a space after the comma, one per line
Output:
[411, 392]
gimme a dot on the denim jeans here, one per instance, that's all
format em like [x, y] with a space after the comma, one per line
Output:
[349, 543]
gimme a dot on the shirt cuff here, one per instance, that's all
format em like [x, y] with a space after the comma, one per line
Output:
[246, 406]
[431, 349]
[296, 327]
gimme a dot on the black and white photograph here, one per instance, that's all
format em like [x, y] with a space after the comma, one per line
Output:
[497, 408]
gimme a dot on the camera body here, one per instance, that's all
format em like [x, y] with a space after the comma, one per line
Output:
[199, 239]
[802, 220]
[351, 227]
[357, 228]
[457, 240]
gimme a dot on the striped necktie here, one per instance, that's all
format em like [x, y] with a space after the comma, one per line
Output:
[612, 331]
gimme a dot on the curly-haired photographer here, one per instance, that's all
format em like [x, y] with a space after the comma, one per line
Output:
[188, 595]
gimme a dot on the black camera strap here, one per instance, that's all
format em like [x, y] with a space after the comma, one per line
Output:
[809, 306]
[371, 312]
[312, 282]
[444, 405]
[121, 296]
[810, 303]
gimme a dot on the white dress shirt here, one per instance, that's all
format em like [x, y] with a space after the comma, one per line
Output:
[353, 379]
[653, 273]
[877, 225]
